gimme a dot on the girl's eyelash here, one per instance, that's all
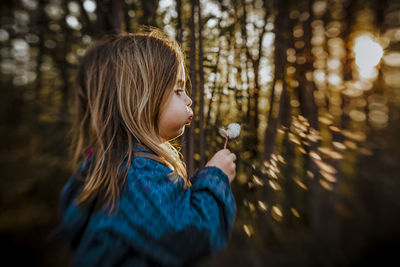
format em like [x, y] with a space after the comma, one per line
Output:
[179, 91]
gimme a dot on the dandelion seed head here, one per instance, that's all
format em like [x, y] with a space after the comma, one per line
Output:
[231, 131]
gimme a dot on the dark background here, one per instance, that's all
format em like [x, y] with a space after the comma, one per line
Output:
[318, 156]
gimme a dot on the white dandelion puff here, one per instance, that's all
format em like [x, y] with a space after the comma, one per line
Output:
[231, 131]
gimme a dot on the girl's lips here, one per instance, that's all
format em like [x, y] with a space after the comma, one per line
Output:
[190, 119]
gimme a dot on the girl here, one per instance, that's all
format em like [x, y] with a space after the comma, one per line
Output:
[130, 201]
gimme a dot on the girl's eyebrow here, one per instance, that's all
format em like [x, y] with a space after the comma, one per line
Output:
[181, 83]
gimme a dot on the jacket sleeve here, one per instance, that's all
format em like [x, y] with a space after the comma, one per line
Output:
[159, 219]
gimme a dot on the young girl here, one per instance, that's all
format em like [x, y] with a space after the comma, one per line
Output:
[130, 201]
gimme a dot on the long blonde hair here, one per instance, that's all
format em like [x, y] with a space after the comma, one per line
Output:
[121, 85]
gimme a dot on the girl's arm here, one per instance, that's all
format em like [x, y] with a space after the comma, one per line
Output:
[158, 219]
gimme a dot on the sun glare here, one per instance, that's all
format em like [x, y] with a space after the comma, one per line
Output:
[368, 54]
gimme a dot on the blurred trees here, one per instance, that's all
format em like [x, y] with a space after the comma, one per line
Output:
[317, 157]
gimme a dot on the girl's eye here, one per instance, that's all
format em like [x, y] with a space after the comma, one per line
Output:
[179, 91]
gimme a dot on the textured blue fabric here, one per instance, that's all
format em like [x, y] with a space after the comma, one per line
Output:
[158, 223]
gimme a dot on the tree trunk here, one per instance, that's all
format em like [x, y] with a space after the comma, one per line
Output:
[243, 21]
[179, 30]
[114, 17]
[149, 12]
[201, 88]
[63, 67]
[281, 40]
[221, 86]
[41, 20]
[213, 89]
[256, 65]
[189, 153]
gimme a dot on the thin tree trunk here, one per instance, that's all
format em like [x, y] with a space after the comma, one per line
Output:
[110, 17]
[240, 18]
[179, 30]
[213, 89]
[349, 20]
[307, 87]
[149, 12]
[285, 119]
[256, 65]
[41, 20]
[243, 21]
[63, 112]
[221, 86]
[281, 28]
[114, 17]
[309, 110]
[253, 112]
[288, 173]
[190, 137]
[201, 88]
[126, 17]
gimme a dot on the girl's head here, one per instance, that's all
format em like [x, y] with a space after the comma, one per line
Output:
[130, 88]
[175, 110]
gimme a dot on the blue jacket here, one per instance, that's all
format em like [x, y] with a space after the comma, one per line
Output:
[157, 223]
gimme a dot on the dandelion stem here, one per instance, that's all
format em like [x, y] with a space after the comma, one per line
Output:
[226, 141]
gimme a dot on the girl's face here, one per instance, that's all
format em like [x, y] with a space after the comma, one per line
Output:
[176, 112]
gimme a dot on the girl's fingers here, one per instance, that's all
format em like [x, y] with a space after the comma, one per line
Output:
[226, 151]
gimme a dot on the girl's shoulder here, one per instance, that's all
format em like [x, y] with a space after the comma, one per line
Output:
[149, 175]
[146, 165]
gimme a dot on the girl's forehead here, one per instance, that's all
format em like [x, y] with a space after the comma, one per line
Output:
[181, 76]
[181, 72]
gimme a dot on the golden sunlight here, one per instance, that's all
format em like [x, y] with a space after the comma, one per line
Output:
[368, 54]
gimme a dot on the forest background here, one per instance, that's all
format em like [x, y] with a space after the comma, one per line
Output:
[315, 85]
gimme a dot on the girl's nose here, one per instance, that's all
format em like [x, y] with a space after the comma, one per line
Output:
[189, 101]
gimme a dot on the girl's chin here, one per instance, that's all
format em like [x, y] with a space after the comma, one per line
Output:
[178, 134]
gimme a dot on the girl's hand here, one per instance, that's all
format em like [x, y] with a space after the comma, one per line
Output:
[225, 160]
